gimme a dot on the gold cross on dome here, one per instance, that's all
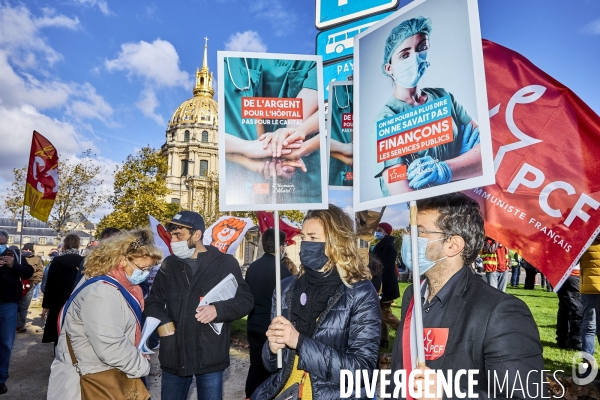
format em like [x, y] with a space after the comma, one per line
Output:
[206, 41]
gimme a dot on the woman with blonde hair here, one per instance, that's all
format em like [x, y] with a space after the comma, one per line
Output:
[330, 319]
[100, 323]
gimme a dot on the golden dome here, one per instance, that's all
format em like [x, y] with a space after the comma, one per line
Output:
[202, 108]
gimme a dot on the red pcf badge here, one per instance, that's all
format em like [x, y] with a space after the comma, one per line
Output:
[397, 173]
[435, 340]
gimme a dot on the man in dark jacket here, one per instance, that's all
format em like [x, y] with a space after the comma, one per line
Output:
[260, 277]
[386, 252]
[188, 344]
[11, 273]
[468, 325]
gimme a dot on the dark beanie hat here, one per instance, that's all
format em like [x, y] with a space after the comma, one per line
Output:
[387, 228]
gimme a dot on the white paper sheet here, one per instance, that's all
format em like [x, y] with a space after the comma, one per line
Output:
[149, 326]
[224, 290]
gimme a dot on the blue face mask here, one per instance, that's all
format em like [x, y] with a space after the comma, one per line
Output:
[2, 248]
[379, 235]
[409, 71]
[138, 276]
[312, 255]
[425, 263]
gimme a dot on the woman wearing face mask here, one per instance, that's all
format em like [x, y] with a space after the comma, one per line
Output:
[405, 62]
[330, 314]
[100, 322]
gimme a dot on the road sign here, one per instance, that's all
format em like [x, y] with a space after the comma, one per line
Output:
[335, 12]
[339, 42]
[339, 71]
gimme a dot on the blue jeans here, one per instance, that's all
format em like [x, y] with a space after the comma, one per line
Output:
[36, 291]
[8, 326]
[23, 308]
[516, 273]
[591, 309]
[209, 386]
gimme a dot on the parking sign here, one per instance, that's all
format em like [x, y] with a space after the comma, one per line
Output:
[335, 12]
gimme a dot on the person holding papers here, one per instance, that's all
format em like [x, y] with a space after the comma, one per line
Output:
[331, 320]
[99, 326]
[189, 343]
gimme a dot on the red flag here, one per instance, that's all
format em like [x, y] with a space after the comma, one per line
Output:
[546, 141]
[266, 220]
[42, 177]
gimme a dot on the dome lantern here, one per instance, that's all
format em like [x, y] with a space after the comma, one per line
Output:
[204, 78]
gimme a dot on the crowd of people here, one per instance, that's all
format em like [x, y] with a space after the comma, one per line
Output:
[336, 308]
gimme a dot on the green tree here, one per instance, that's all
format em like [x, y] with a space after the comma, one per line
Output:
[79, 192]
[140, 189]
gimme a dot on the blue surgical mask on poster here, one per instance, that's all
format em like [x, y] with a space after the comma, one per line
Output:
[379, 235]
[425, 263]
[312, 255]
[138, 276]
[409, 71]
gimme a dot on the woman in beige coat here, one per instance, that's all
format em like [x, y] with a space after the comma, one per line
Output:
[103, 330]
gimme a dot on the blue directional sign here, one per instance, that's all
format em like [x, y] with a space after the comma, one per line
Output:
[335, 12]
[339, 42]
[339, 71]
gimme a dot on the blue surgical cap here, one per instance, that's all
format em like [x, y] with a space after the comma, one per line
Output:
[401, 32]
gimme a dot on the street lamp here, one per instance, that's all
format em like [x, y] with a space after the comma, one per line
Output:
[190, 161]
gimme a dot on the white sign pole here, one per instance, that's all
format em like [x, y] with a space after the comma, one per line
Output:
[418, 305]
[278, 280]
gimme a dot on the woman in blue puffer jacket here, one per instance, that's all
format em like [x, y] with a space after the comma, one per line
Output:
[331, 319]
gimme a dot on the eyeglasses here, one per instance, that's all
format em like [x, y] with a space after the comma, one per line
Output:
[424, 232]
[143, 269]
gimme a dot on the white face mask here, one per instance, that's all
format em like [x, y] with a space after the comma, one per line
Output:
[182, 250]
[409, 71]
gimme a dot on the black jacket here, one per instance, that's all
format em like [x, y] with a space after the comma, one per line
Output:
[488, 331]
[195, 348]
[10, 279]
[59, 285]
[346, 337]
[260, 277]
[385, 250]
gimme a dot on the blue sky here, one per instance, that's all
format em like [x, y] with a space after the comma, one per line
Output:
[107, 74]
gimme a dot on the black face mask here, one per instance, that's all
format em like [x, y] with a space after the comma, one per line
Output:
[312, 255]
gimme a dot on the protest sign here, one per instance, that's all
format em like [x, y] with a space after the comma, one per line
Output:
[544, 203]
[227, 233]
[339, 128]
[271, 151]
[421, 121]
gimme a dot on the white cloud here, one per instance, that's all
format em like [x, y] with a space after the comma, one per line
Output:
[24, 96]
[275, 12]
[246, 41]
[148, 104]
[157, 65]
[17, 127]
[156, 62]
[593, 28]
[101, 4]
[20, 34]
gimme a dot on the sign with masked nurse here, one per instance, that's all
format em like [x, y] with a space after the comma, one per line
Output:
[421, 115]
[272, 153]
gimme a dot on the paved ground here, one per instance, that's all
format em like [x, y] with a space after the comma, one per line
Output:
[31, 359]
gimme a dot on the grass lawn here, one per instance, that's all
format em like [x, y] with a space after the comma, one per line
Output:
[543, 306]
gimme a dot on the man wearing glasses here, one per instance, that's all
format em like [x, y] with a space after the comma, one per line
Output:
[468, 325]
[188, 345]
